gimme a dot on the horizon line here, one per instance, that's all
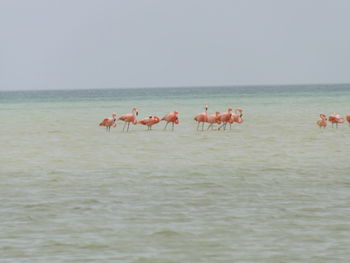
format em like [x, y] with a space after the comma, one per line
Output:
[184, 87]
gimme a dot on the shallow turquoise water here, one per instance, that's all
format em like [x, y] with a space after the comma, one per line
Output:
[274, 189]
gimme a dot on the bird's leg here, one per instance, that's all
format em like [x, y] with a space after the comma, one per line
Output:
[210, 125]
[166, 125]
[172, 126]
[198, 126]
[124, 125]
[230, 126]
[202, 126]
[128, 127]
[225, 126]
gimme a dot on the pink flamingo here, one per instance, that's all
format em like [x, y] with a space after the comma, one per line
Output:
[237, 116]
[214, 119]
[202, 117]
[129, 118]
[150, 121]
[171, 117]
[335, 118]
[348, 119]
[322, 122]
[225, 117]
[108, 122]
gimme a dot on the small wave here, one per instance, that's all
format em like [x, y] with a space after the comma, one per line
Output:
[55, 131]
[168, 233]
[93, 246]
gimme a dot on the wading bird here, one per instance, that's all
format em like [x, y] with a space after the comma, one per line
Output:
[108, 122]
[225, 117]
[335, 118]
[171, 117]
[202, 117]
[150, 121]
[237, 116]
[213, 119]
[129, 118]
[322, 122]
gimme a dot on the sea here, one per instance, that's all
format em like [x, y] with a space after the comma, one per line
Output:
[275, 188]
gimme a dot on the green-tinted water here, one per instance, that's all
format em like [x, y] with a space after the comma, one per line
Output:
[273, 189]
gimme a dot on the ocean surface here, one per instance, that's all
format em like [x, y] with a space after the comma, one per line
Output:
[275, 188]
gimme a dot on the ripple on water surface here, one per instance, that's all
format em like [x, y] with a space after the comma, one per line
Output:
[274, 189]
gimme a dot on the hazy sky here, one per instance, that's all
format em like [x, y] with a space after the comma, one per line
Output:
[48, 44]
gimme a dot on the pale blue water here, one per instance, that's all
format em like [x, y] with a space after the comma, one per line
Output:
[273, 189]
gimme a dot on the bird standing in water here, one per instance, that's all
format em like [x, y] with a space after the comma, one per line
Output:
[129, 118]
[322, 122]
[335, 118]
[213, 119]
[108, 122]
[225, 117]
[150, 121]
[202, 117]
[171, 117]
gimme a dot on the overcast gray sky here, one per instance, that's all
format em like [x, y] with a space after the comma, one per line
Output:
[74, 44]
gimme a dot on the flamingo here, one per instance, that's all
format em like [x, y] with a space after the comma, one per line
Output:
[335, 118]
[322, 122]
[171, 117]
[129, 117]
[213, 118]
[108, 122]
[348, 119]
[237, 116]
[225, 118]
[151, 120]
[202, 117]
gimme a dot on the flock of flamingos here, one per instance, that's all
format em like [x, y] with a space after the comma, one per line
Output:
[222, 119]
[334, 119]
